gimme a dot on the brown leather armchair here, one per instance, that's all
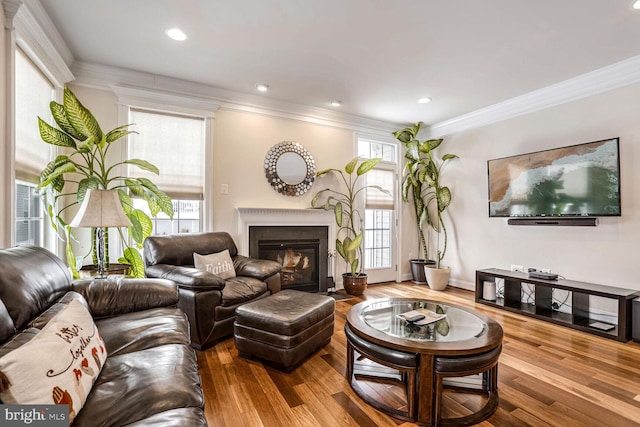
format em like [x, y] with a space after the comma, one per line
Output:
[209, 301]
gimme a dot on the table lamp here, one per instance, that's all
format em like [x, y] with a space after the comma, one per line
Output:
[100, 209]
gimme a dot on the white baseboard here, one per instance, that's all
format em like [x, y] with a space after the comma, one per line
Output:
[470, 286]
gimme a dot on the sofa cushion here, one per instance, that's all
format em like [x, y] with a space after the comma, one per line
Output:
[242, 289]
[63, 359]
[45, 317]
[138, 385]
[178, 249]
[31, 279]
[218, 263]
[144, 329]
[174, 418]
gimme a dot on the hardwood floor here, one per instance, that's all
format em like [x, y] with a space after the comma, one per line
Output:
[548, 376]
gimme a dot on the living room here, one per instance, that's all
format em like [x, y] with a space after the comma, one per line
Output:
[594, 104]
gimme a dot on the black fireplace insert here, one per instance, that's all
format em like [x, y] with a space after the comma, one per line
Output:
[301, 250]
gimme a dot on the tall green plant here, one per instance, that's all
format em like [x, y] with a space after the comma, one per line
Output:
[343, 204]
[421, 184]
[65, 180]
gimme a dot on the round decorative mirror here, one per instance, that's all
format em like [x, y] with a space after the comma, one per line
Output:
[290, 168]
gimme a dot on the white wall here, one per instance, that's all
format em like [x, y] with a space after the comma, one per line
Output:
[606, 254]
[241, 141]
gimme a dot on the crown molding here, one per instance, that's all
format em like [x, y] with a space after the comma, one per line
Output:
[604, 79]
[159, 100]
[10, 8]
[108, 77]
[38, 38]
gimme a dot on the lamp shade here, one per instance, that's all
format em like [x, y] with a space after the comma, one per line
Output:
[101, 208]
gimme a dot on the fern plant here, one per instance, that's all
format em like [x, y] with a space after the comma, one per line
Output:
[65, 180]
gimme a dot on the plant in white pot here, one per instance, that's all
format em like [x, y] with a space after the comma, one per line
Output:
[437, 199]
[349, 235]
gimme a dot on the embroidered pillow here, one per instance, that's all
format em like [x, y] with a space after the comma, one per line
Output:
[59, 365]
[219, 264]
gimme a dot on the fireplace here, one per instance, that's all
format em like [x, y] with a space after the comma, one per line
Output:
[301, 250]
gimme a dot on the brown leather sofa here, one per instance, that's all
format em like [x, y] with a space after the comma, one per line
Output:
[150, 376]
[209, 301]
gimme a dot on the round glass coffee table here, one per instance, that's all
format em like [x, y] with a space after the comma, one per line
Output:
[440, 345]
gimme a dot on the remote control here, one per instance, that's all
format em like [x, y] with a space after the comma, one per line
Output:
[414, 318]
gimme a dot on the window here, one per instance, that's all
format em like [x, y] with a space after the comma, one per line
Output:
[370, 149]
[29, 215]
[379, 211]
[378, 219]
[175, 144]
[186, 217]
[34, 92]
[377, 239]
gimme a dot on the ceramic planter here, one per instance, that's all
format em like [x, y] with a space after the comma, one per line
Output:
[417, 270]
[437, 278]
[354, 285]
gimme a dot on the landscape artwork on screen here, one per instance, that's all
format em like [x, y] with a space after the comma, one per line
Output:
[580, 180]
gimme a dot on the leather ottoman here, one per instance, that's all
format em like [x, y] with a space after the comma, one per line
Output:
[285, 327]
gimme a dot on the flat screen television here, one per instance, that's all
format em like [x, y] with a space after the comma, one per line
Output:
[579, 180]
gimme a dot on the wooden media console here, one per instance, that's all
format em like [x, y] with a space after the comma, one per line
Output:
[578, 312]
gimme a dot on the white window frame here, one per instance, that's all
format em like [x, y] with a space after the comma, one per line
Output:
[175, 104]
[42, 218]
[396, 166]
[51, 58]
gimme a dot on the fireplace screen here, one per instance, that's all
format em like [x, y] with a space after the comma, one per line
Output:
[301, 250]
[299, 262]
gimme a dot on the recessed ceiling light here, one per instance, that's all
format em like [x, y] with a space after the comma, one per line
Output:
[176, 34]
[336, 103]
[427, 100]
[636, 5]
[262, 87]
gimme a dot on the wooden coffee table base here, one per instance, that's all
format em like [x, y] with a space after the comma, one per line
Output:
[424, 396]
[424, 369]
[389, 366]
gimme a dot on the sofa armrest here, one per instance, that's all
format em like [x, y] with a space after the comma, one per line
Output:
[118, 295]
[186, 277]
[258, 268]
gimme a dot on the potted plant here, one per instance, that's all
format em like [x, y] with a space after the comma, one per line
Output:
[415, 188]
[437, 198]
[65, 180]
[349, 235]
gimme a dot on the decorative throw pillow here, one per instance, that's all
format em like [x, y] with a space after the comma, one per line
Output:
[59, 365]
[219, 264]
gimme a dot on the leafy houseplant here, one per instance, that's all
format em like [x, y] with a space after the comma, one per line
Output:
[421, 184]
[413, 187]
[65, 180]
[343, 203]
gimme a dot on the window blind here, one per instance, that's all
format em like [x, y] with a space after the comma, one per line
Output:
[34, 92]
[175, 144]
[376, 199]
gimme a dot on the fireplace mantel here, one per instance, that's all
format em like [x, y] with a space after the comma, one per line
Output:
[274, 216]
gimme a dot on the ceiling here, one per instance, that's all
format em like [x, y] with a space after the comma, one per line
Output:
[376, 56]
